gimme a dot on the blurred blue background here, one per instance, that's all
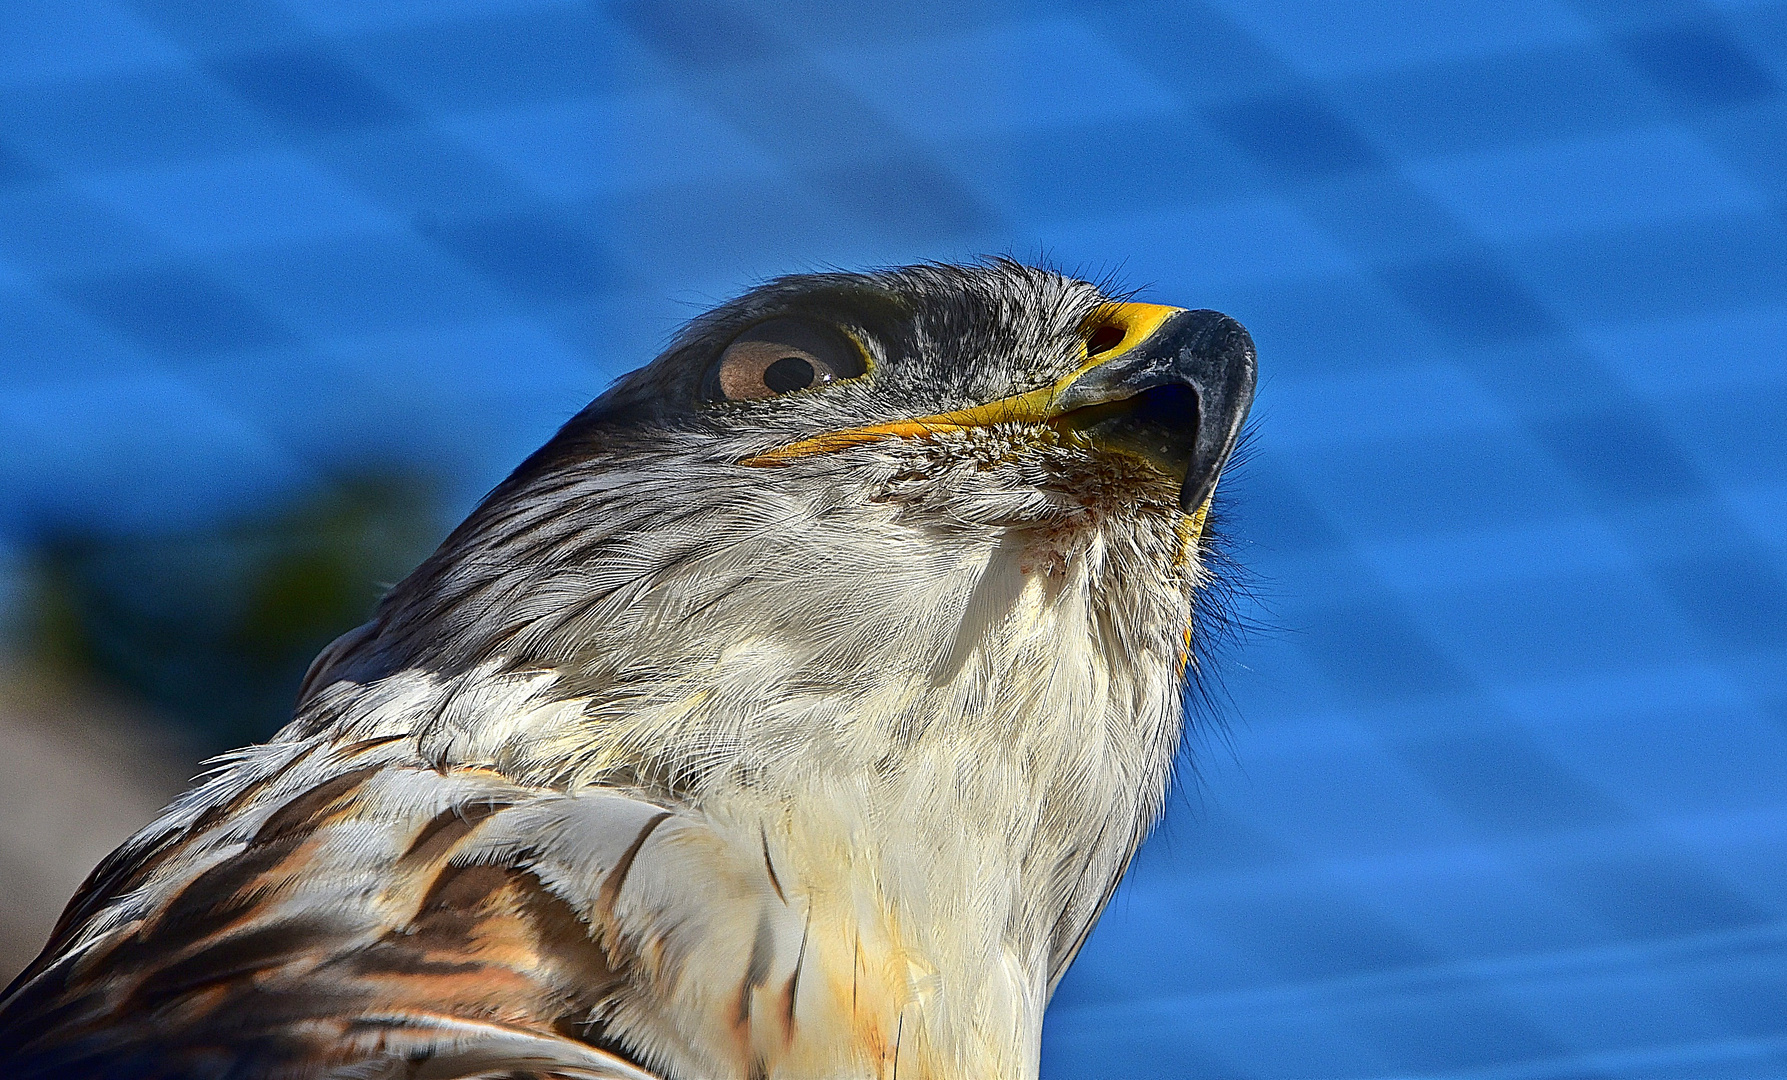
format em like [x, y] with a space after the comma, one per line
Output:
[1503, 795]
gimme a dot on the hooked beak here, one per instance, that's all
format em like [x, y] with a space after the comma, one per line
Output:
[1173, 390]
[1176, 399]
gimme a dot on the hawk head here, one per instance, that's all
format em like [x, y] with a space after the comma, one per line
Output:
[840, 512]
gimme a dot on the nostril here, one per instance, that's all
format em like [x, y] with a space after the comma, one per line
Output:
[1104, 339]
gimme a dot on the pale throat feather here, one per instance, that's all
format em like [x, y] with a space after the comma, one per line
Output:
[929, 823]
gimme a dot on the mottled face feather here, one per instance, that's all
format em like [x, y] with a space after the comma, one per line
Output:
[937, 338]
[792, 713]
[663, 447]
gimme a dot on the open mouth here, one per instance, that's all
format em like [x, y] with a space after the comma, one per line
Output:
[1158, 425]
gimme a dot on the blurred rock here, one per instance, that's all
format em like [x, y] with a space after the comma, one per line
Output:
[124, 659]
[80, 770]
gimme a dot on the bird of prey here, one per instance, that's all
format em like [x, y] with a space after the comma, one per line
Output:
[792, 713]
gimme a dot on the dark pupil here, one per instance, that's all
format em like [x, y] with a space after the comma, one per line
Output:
[788, 373]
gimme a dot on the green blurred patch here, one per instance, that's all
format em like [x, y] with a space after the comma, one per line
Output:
[216, 628]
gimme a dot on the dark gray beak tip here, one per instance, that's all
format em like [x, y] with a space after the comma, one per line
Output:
[1216, 357]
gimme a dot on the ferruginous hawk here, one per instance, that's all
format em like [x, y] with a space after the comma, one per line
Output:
[792, 713]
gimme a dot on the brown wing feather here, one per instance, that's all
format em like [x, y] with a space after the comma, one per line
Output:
[339, 934]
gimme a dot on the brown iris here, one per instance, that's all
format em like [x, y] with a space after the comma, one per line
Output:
[784, 355]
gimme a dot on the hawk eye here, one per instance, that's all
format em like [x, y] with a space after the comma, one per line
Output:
[784, 355]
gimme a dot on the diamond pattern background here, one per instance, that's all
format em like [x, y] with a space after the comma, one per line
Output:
[1503, 793]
